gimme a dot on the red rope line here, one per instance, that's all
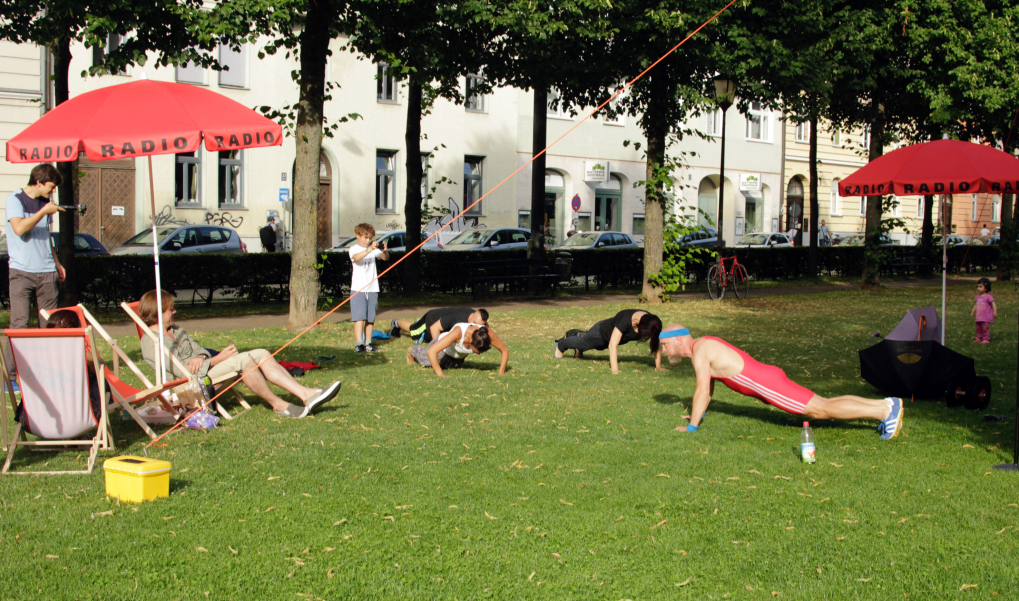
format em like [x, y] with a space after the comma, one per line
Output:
[465, 209]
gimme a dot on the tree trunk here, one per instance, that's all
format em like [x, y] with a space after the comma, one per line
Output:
[68, 293]
[536, 245]
[656, 128]
[304, 286]
[1006, 240]
[814, 210]
[871, 253]
[412, 209]
[927, 230]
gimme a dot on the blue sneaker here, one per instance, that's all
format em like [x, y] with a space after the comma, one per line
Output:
[890, 426]
[17, 389]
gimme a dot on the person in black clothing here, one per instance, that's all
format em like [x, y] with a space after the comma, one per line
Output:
[268, 235]
[437, 321]
[626, 326]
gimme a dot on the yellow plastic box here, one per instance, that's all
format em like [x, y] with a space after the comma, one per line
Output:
[137, 479]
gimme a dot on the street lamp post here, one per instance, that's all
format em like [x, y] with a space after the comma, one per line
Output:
[724, 93]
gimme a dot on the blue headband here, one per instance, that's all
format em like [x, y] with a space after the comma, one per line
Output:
[673, 333]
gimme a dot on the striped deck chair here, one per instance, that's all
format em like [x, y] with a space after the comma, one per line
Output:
[52, 370]
[225, 380]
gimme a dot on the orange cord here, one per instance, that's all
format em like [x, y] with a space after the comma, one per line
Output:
[465, 209]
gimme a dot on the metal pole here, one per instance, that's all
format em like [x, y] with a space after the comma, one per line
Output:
[160, 362]
[721, 191]
[945, 229]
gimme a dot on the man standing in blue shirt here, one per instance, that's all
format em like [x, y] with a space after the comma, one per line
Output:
[33, 264]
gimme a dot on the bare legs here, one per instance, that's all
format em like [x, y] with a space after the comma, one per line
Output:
[363, 332]
[274, 373]
[404, 324]
[846, 407]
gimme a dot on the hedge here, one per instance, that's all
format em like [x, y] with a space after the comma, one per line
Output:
[264, 277]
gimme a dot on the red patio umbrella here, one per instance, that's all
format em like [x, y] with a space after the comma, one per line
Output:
[938, 167]
[143, 118]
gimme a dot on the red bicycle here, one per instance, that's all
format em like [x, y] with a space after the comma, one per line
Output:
[736, 277]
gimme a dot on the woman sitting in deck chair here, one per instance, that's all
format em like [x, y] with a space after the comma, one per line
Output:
[198, 361]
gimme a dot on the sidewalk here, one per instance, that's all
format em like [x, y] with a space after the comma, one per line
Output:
[496, 306]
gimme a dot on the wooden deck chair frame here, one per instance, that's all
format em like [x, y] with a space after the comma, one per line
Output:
[103, 438]
[124, 395]
[218, 383]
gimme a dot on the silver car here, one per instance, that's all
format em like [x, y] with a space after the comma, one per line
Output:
[765, 240]
[486, 239]
[598, 240]
[188, 239]
[395, 240]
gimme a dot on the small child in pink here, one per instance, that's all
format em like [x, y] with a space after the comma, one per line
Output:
[984, 311]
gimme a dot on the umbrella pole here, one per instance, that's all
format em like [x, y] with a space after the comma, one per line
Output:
[160, 362]
[945, 228]
[1014, 466]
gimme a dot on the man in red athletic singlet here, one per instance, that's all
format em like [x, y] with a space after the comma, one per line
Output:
[715, 359]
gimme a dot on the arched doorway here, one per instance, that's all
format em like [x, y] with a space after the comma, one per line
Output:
[794, 208]
[324, 228]
[707, 204]
[608, 198]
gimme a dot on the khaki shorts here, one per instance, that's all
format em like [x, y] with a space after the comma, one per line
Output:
[237, 363]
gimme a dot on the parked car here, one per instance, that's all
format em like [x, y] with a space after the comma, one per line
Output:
[765, 240]
[704, 237]
[487, 239]
[84, 244]
[394, 239]
[598, 240]
[188, 239]
[858, 239]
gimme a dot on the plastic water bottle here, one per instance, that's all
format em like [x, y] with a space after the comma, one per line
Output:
[807, 444]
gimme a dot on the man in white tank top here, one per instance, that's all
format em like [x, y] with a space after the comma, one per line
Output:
[449, 350]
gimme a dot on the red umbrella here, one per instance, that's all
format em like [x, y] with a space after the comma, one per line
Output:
[938, 167]
[143, 118]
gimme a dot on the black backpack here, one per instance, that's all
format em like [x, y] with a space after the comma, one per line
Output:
[268, 236]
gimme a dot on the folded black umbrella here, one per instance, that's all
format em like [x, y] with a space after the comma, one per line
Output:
[920, 370]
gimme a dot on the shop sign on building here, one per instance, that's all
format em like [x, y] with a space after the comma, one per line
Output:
[596, 171]
[750, 182]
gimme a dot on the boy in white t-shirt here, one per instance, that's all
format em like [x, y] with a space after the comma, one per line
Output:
[364, 286]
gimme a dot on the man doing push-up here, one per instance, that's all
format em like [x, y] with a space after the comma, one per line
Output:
[715, 359]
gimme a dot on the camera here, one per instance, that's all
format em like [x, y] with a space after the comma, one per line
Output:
[81, 209]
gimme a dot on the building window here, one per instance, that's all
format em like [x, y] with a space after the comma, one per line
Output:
[524, 220]
[836, 139]
[996, 208]
[863, 206]
[803, 131]
[638, 224]
[386, 84]
[235, 62]
[974, 211]
[231, 178]
[425, 167]
[835, 209]
[475, 101]
[191, 73]
[714, 127]
[920, 204]
[617, 107]
[472, 184]
[99, 53]
[188, 180]
[385, 182]
[895, 206]
[758, 123]
[866, 138]
[556, 108]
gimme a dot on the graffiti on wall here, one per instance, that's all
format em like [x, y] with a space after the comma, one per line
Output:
[224, 219]
[450, 216]
[166, 217]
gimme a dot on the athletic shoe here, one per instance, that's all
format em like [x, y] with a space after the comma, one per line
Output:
[14, 387]
[394, 332]
[321, 396]
[292, 412]
[360, 348]
[890, 426]
[371, 348]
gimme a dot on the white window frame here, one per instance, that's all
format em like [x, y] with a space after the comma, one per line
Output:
[426, 166]
[975, 211]
[836, 138]
[620, 120]
[180, 162]
[562, 112]
[920, 204]
[468, 188]
[863, 206]
[191, 73]
[473, 103]
[385, 205]
[835, 206]
[241, 73]
[995, 208]
[895, 205]
[713, 122]
[223, 165]
[865, 137]
[387, 89]
[763, 117]
[803, 132]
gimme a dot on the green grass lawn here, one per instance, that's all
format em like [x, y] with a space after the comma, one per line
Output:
[557, 481]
